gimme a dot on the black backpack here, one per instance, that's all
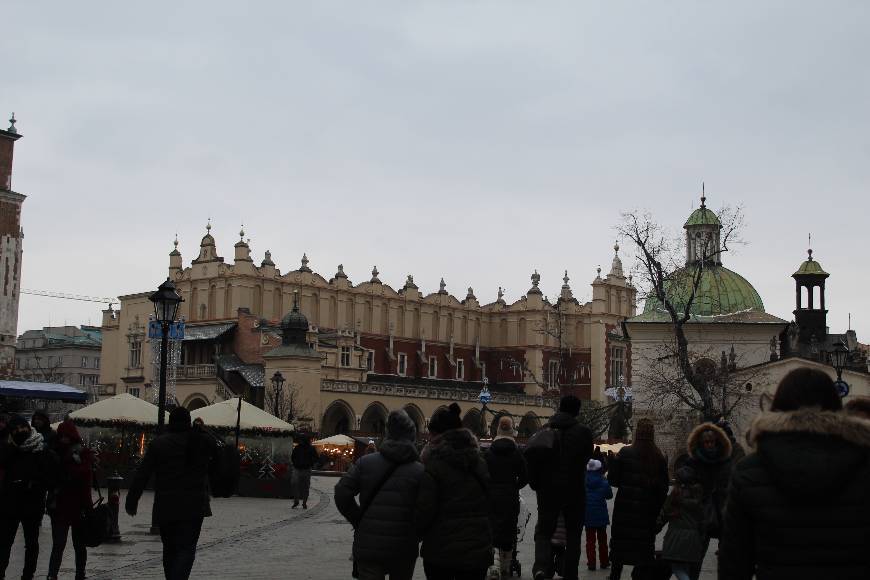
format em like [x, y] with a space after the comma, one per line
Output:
[223, 470]
[542, 456]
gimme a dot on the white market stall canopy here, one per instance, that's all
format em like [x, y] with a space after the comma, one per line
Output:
[336, 441]
[253, 418]
[123, 408]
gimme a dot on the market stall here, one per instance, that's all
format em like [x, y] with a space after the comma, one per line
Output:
[265, 444]
[336, 452]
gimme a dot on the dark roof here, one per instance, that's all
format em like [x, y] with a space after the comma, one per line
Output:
[207, 331]
[253, 374]
[43, 391]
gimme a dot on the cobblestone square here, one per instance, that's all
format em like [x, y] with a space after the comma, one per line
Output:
[255, 539]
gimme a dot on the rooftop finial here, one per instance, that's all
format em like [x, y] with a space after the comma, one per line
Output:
[599, 271]
[175, 242]
[375, 273]
[208, 226]
[12, 128]
[304, 267]
[616, 247]
[566, 279]
[810, 246]
[703, 197]
[536, 279]
[442, 287]
[242, 232]
[500, 294]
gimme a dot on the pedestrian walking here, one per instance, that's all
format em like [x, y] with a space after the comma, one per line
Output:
[640, 472]
[29, 472]
[685, 541]
[798, 506]
[387, 482]
[557, 473]
[179, 461]
[42, 423]
[452, 512]
[507, 476]
[598, 491]
[304, 458]
[71, 497]
[709, 451]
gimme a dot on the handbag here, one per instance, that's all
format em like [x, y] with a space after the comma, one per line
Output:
[96, 520]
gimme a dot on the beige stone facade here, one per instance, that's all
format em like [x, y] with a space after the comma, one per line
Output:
[377, 346]
[11, 252]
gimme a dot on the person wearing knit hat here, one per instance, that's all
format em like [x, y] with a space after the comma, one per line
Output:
[71, 498]
[640, 472]
[598, 491]
[179, 461]
[508, 475]
[386, 481]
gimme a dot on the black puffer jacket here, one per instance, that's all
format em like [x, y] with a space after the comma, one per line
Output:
[386, 532]
[180, 475]
[507, 472]
[453, 504]
[713, 472]
[566, 484]
[643, 488]
[29, 472]
[798, 507]
[304, 456]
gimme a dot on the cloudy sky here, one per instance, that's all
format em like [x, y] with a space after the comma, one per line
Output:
[472, 140]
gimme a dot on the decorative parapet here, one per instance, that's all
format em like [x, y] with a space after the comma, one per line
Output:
[425, 392]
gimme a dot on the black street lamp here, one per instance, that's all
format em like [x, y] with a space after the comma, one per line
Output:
[484, 397]
[839, 358]
[166, 301]
[278, 387]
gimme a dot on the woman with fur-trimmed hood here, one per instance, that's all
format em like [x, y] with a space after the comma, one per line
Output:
[709, 455]
[452, 514]
[798, 506]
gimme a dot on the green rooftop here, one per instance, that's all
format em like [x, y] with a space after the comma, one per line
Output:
[703, 217]
[720, 292]
[810, 267]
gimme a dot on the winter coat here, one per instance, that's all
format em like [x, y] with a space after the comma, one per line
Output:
[452, 513]
[564, 483]
[714, 473]
[598, 491]
[304, 456]
[30, 471]
[507, 476]
[386, 532]
[73, 493]
[180, 475]
[642, 491]
[798, 506]
[683, 512]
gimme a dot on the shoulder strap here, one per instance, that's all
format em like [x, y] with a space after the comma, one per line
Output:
[365, 507]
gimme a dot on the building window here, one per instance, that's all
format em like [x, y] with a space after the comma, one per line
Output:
[553, 374]
[460, 369]
[60, 360]
[370, 360]
[82, 380]
[617, 365]
[433, 367]
[482, 371]
[84, 362]
[135, 353]
[50, 362]
[403, 364]
[97, 362]
[345, 356]
[133, 391]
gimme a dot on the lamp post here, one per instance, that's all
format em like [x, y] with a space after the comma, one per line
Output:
[839, 357]
[166, 301]
[278, 387]
[484, 397]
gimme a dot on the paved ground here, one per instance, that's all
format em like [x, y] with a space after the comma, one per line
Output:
[254, 539]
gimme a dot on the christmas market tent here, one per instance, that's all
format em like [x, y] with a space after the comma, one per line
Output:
[336, 441]
[336, 452]
[117, 410]
[223, 416]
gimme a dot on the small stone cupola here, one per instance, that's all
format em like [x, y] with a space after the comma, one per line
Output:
[294, 325]
[242, 248]
[810, 316]
[703, 236]
[207, 249]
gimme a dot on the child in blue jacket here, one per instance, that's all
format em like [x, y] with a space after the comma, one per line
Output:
[598, 491]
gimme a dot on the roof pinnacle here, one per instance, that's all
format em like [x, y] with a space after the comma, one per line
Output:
[703, 197]
[12, 128]
[208, 226]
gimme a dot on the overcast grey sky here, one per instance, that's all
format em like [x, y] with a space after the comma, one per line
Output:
[471, 140]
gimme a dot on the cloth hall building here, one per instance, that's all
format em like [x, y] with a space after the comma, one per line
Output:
[351, 352]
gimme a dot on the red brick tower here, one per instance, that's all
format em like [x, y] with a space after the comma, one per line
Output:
[10, 251]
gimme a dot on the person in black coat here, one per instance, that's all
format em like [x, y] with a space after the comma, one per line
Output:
[179, 461]
[508, 475]
[798, 507]
[452, 512]
[561, 487]
[29, 471]
[41, 422]
[387, 482]
[640, 472]
[304, 457]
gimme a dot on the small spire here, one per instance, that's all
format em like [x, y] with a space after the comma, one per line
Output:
[566, 279]
[536, 279]
[340, 273]
[810, 246]
[616, 247]
[599, 271]
[703, 197]
[242, 232]
[12, 128]
[175, 241]
[208, 226]
[470, 295]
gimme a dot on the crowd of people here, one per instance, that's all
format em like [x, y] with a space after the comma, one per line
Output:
[795, 507]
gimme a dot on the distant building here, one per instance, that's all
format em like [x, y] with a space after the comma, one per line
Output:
[10, 251]
[67, 355]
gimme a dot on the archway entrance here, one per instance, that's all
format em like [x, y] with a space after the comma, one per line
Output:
[195, 402]
[338, 418]
[374, 420]
[417, 417]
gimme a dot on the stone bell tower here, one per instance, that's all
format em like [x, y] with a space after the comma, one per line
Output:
[10, 251]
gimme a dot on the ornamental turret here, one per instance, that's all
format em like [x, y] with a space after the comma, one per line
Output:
[703, 236]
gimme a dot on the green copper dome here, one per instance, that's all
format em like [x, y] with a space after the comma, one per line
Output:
[703, 217]
[721, 291]
[810, 267]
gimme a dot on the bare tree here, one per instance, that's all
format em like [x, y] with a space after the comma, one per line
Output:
[286, 403]
[668, 275]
